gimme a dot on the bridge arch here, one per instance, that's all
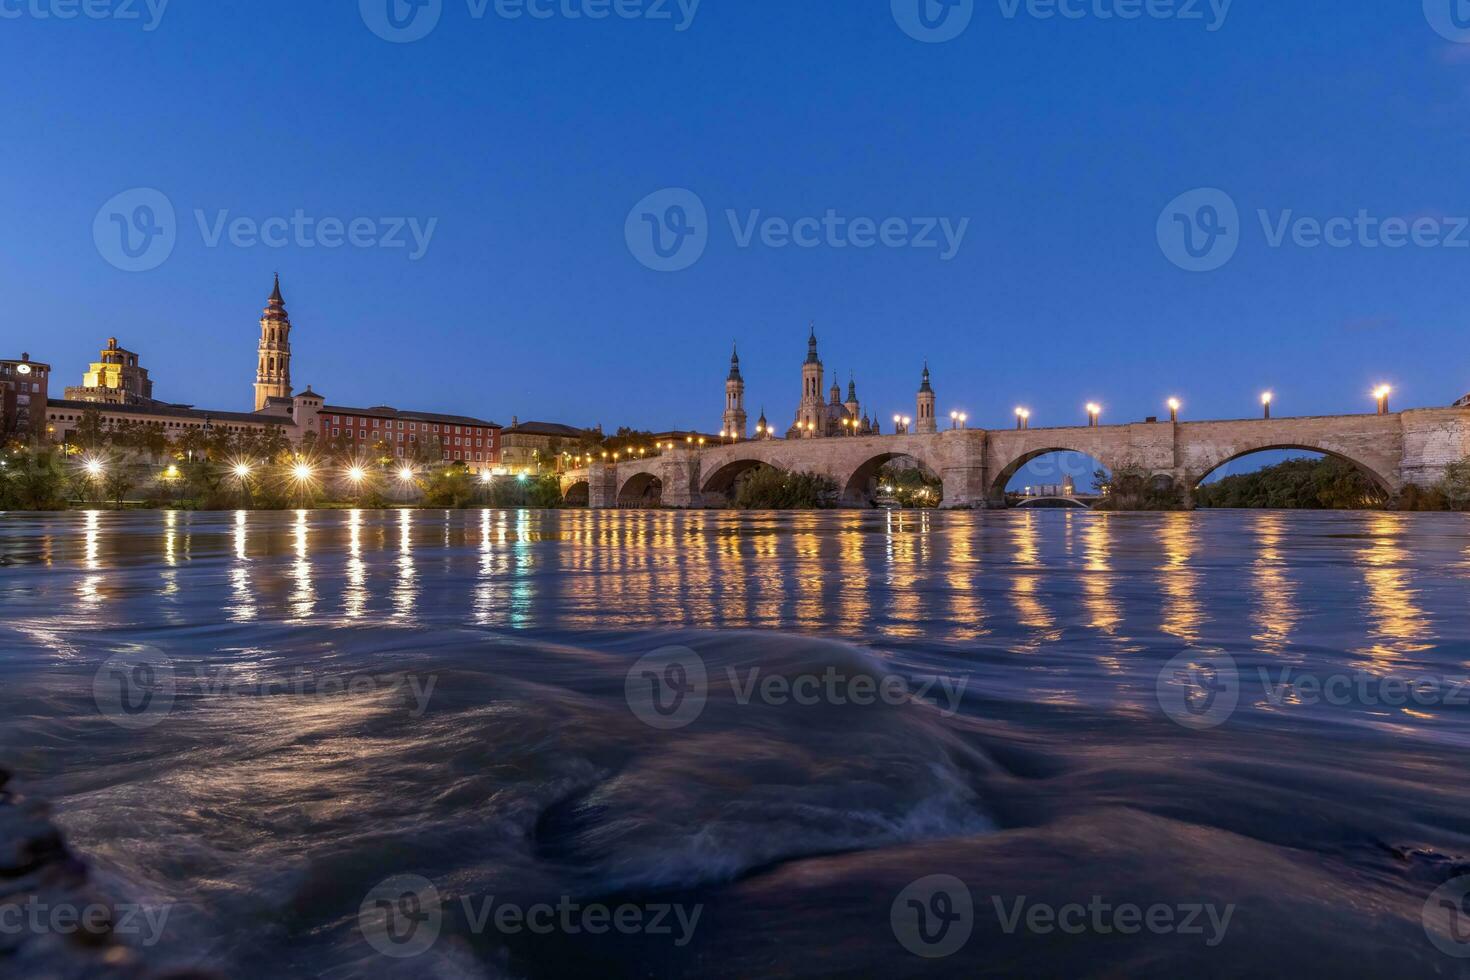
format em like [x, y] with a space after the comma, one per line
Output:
[997, 489]
[1381, 480]
[577, 494]
[721, 482]
[642, 489]
[860, 487]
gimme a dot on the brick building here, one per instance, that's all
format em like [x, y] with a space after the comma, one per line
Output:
[23, 391]
[422, 437]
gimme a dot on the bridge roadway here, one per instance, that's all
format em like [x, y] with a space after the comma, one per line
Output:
[976, 464]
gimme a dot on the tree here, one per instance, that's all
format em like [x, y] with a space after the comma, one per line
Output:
[449, 486]
[910, 486]
[767, 488]
[1296, 484]
[117, 484]
[1136, 488]
[90, 433]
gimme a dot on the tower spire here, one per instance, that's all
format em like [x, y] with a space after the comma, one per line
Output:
[276, 292]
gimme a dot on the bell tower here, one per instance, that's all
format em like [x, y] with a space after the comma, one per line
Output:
[734, 420]
[273, 369]
[926, 423]
[811, 414]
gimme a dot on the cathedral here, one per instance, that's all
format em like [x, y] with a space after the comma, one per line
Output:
[816, 418]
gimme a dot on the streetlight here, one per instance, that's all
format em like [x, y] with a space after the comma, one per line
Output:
[405, 478]
[964, 419]
[906, 422]
[1174, 406]
[1094, 414]
[954, 420]
[1380, 394]
[1023, 418]
[356, 474]
[94, 468]
[1266, 399]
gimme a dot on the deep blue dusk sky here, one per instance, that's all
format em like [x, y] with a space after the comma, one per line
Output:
[529, 141]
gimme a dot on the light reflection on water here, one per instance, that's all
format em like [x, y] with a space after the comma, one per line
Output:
[1364, 583]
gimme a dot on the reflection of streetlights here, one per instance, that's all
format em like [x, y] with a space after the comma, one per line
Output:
[1380, 394]
[1174, 406]
[1266, 399]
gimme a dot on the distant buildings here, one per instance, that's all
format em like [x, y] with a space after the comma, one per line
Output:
[531, 445]
[114, 379]
[117, 388]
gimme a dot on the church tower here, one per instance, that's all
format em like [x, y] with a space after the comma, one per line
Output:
[811, 415]
[925, 421]
[852, 405]
[734, 422]
[273, 370]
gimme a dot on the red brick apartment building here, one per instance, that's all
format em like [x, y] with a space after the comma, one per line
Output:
[474, 442]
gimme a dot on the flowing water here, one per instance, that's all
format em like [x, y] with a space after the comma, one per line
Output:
[648, 744]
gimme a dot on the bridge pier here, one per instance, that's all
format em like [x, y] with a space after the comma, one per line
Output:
[965, 487]
[681, 480]
[602, 486]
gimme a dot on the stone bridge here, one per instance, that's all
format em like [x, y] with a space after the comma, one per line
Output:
[975, 465]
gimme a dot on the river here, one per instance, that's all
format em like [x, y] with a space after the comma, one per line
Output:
[626, 744]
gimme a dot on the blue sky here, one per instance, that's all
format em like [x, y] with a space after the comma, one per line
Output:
[527, 142]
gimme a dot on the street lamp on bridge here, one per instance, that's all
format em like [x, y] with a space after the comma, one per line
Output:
[1023, 418]
[1380, 395]
[1174, 406]
[1266, 399]
[1094, 414]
